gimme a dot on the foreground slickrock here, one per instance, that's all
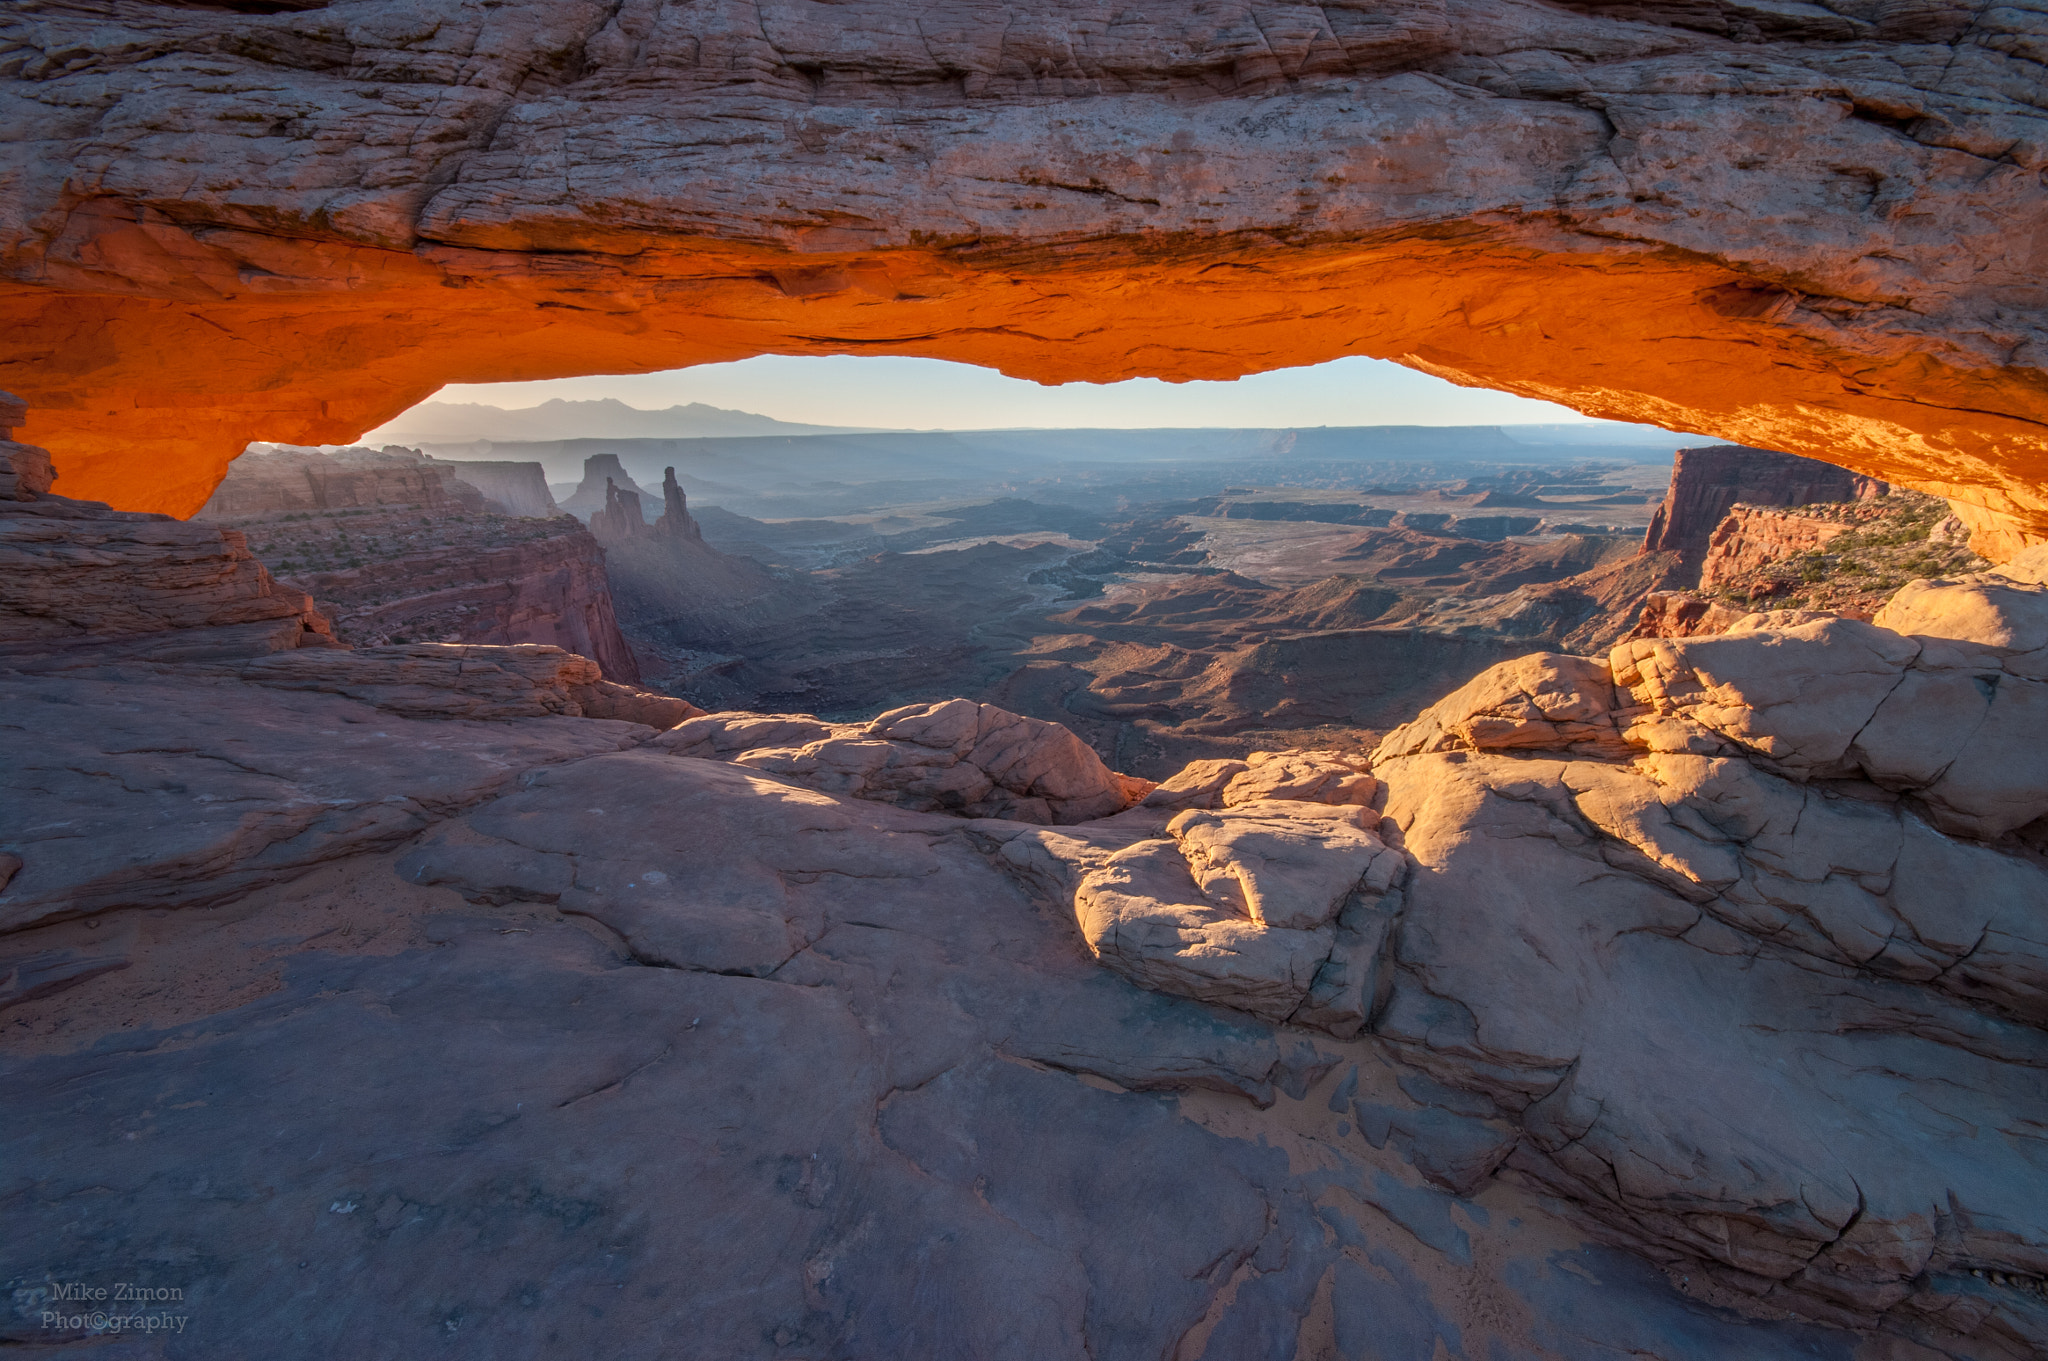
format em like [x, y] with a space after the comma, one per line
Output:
[1688, 1004]
[1805, 228]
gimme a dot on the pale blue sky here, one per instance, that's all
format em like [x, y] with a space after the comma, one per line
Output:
[901, 393]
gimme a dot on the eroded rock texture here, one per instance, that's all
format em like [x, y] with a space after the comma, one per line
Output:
[1804, 228]
[956, 756]
[1707, 483]
[77, 576]
[401, 548]
[451, 1001]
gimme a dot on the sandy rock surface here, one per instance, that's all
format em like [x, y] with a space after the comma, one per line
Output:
[1744, 1042]
[1548, 701]
[1952, 723]
[155, 786]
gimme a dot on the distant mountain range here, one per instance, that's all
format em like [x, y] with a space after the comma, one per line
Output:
[470, 422]
[465, 423]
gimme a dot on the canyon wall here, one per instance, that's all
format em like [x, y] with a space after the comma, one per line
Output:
[1788, 227]
[550, 589]
[398, 549]
[274, 481]
[1837, 558]
[514, 488]
[1706, 482]
[1751, 537]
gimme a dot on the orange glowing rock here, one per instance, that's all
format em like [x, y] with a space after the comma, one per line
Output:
[279, 226]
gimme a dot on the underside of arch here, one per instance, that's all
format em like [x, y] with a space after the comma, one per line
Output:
[1824, 236]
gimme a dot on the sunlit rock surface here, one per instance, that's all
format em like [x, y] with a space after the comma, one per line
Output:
[1801, 228]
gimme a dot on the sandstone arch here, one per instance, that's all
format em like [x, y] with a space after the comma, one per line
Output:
[1819, 228]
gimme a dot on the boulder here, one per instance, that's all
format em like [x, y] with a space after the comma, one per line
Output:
[1284, 867]
[1753, 1025]
[1198, 784]
[1546, 701]
[1947, 721]
[1276, 907]
[1996, 612]
[1311, 776]
[1305, 776]
[953, 756]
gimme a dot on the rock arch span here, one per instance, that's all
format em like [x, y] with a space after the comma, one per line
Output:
[1818, 228]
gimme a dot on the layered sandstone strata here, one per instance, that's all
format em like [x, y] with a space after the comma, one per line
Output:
[1793, 228]
[281, 480]
[620, 519]
[399, 548]
[1707, 483]
[77, 577]
[1845, 558]
[479, 581]
[513, 488]
[1752, 537]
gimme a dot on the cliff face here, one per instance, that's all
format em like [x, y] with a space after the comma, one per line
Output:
[1841, 558]
[512, 488]
[621, 520]
[273, 481]
[400, 549]
[1706, 482]
[76, 577]
[549, 588]
[1793, 228]
[1752, 537]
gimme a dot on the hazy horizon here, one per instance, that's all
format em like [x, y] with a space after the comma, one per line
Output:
[898, 393]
